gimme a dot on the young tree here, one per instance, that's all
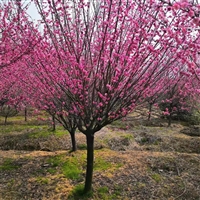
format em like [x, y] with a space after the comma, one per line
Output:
[103, 55]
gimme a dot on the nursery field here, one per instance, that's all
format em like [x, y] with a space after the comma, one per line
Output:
[68, 65]
[134, 160]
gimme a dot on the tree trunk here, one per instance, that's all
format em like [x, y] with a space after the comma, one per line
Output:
[73, 140]
[5, 122]
[169, 120]
[150, 109]
[53, 123]
[90, 162]
[25, 114]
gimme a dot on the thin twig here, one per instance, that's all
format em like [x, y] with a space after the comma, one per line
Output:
[182, 192]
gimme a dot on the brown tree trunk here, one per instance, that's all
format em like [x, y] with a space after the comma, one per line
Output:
[25, 114]
[5, 122]
[90, 162]
[53, 123]
[73, 140]
[169, 120]
[150, 109]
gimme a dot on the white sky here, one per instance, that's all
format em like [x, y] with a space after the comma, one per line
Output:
[32, 11]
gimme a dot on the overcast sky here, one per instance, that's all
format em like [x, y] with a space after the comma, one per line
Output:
[32, 11]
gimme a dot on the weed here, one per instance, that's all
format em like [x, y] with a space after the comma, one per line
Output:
[11, 183]
[128, 136]
[167, 164]
[8, 164]
[71, 166]
[119, 124]
[144, 140]
[103, 192]
[38, 171]
[140, 185]
[156, 142]
[117, 190]
[51, 170]
[42, 180]
[82, 146]
[156, 177]
[54, 161]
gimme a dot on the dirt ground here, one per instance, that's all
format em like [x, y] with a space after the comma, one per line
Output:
[136, 162]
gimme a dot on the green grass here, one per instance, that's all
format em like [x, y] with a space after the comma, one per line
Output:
[20, 119]
[38, 133]
[44, 131]
[101, 164]
[70, 166]
[8, 164]
[118, 189]
[33, 131]
[71, 169]
[156, 177]
[34, 127]
[119, 124]
[128, 136]
[139, 185]
[60, 132]
[51, 170]
[42, 180]
[16, 128]
[11, 182]
[103, 192]
[55, 161]
[82, 146]
[77, 193]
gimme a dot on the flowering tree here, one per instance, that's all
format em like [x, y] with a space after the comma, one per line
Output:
[18, 38]
[181, 90]
[57, 107]
[43, 92]
[68, 120]
[103, 55]
[153, 94]
[17, 35]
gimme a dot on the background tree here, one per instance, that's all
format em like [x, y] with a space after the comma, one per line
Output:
[8, 111]
[43, 93]
[179, 94]
[18, 36]
[153, 95]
